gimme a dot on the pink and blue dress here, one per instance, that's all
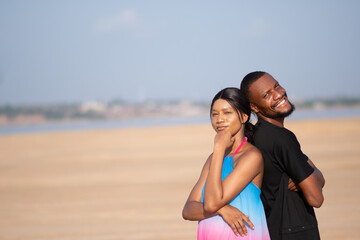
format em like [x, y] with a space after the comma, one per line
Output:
[248, 201]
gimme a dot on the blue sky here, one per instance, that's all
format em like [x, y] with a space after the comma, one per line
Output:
[72, 51]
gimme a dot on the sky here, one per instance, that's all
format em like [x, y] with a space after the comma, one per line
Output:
[83, 50]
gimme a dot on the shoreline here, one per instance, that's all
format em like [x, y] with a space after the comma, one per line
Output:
[159, 121]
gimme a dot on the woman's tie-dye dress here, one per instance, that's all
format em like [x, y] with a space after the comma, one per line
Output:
[248, 201]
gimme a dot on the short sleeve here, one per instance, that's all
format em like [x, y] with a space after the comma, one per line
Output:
[291, 159]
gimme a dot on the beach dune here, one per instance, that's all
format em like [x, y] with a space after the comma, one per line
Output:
[132, 183]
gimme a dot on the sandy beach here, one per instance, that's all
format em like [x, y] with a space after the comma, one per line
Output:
[132, 183]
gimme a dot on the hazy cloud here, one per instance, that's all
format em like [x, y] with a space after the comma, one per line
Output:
[259, 27]
[125, 19]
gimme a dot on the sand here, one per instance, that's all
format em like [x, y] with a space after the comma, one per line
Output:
[133, 183]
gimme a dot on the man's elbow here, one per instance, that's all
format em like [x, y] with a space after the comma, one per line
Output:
[184, 215]
[312, 191]
[316, 202]
[323, 183]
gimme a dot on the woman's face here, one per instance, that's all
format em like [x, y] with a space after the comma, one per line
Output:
[225, 117]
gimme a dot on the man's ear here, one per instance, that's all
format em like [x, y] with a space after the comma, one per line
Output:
[254, 108]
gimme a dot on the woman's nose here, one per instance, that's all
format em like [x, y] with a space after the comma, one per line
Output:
[220, 118]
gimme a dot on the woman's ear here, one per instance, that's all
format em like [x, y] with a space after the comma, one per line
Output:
[244, 117]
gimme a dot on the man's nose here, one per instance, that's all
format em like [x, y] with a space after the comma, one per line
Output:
[278, 93]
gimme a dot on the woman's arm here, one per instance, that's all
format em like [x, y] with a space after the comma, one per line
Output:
[218, 193]
[194, 208]
[194, 211]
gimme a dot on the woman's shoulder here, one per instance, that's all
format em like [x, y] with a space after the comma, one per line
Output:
[250, 154]
[252, 151]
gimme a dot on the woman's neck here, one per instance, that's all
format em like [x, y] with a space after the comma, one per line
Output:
[238, 139]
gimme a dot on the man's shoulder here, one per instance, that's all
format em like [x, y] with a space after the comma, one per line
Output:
[272, 131]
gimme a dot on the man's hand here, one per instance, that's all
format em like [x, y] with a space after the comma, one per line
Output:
[236, 219]
[292, 186]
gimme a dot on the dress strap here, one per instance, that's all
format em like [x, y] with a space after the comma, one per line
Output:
[245, 139]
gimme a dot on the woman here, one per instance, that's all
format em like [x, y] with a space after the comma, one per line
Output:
[231, 178]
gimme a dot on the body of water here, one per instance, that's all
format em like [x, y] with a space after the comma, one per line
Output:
[148, 122]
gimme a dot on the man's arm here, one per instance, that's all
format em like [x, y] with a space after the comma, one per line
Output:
[318, 176]
[312, 191]
[312, 187]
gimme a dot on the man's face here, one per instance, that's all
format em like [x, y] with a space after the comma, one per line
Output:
[269, 99]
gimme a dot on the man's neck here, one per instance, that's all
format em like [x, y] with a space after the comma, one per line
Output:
[275, 121]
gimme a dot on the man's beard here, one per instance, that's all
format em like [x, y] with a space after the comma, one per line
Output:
[285, 114]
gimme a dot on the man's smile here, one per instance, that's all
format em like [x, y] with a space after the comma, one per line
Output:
[280, 103]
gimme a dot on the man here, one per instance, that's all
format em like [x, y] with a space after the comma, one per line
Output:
[292, 185]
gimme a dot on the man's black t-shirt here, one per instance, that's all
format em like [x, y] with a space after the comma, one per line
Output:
[288, 214]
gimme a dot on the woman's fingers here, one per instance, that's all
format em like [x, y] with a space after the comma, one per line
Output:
[247, 220]
[237, 220]
[241, 228]
[235, 230]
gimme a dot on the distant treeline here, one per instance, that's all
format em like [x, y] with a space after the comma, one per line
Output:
[51, 112]
[346, 102]
[121, 109]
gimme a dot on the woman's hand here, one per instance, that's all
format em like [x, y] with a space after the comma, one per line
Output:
[236, 219]
[223, 139]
